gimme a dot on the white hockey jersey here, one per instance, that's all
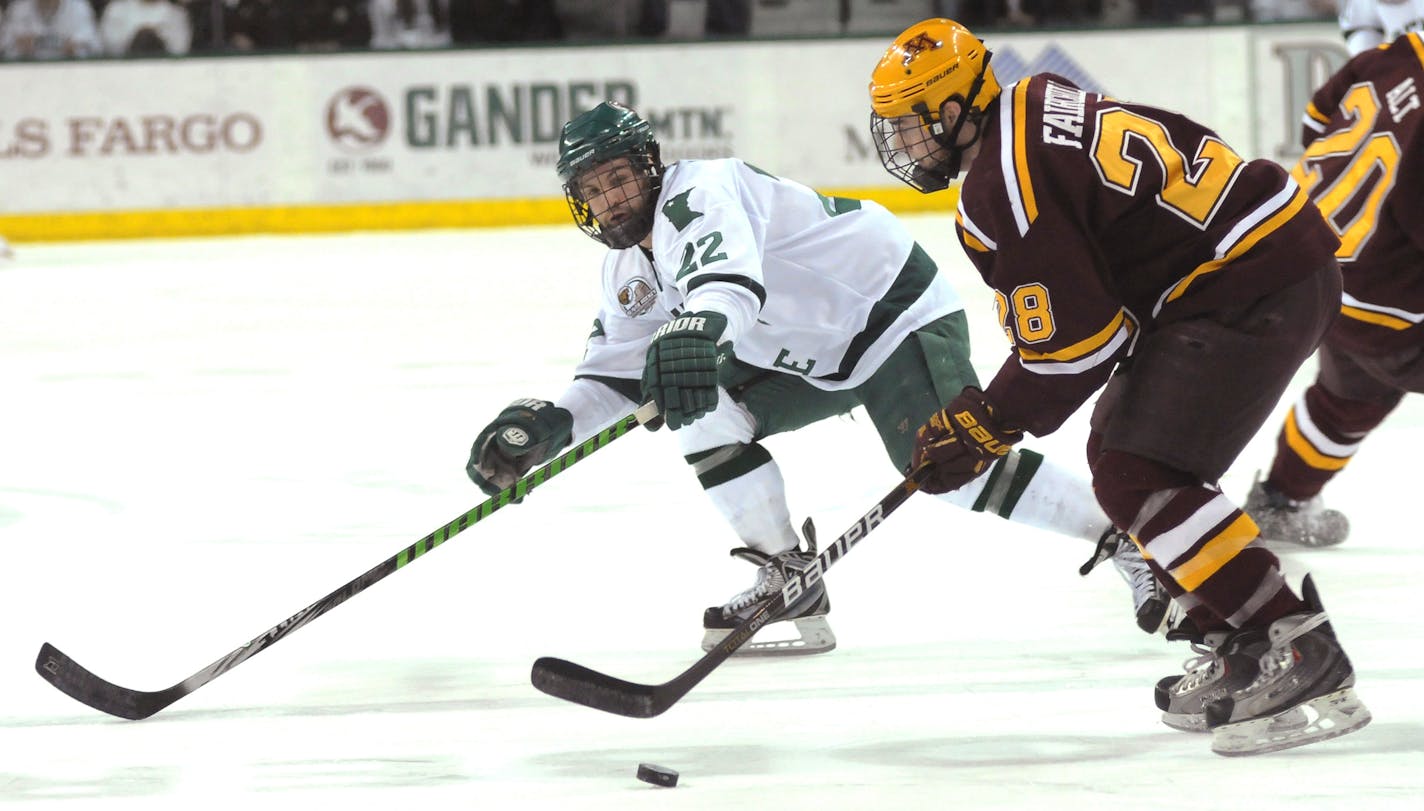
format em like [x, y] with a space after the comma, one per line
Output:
[811, 285]
[1368, 24]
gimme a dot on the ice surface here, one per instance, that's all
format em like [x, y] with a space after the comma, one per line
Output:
[199, 438]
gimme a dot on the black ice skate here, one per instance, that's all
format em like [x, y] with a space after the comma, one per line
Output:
[807, 614]
[1303, 691]
[1308, 522]
[1150, 601]
[1218, 667]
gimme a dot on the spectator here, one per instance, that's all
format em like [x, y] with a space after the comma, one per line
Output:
[332, 25]
[207, 36]
[1268, 10]
[261, 25]
[728, 18]
[474, 21]
[49, 29]
[410, 24]
[147, 27]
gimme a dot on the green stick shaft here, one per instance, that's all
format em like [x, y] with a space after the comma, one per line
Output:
[74, 680]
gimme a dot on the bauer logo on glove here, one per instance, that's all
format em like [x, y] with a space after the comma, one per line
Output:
[980, 434]
[961, 441]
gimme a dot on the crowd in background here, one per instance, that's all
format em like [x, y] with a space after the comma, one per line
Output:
[59, 29]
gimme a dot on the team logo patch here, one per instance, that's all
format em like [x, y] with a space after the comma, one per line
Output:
[917, 46]
[637, 297]
[515, 436]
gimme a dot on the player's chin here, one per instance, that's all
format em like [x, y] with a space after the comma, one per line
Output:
[624, 234]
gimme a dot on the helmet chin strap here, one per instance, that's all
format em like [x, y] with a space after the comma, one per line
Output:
[967, 115]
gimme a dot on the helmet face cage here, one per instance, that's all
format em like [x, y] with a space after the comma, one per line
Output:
[588, 148]
[641, 188]
[900, 139]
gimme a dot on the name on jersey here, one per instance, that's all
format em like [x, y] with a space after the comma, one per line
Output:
[1402, 98]
[1063, 115]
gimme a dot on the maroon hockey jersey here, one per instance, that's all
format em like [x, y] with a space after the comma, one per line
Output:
[1364, 168]
[1095, 220]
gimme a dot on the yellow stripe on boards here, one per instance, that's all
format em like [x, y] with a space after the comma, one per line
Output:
[67, 226]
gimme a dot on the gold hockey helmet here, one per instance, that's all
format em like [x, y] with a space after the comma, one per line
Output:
[932, 62]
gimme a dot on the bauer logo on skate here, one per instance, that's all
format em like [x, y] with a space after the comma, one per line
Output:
[797, 585]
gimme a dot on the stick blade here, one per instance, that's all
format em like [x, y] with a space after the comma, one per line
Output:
[70, 678]
[574, 682]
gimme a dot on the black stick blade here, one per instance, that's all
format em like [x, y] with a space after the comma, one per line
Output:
[70, 678]
[574, 682]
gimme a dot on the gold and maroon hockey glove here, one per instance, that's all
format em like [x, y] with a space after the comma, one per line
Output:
[960, 442]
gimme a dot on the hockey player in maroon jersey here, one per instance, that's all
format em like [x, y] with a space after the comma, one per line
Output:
[1364, 168]
[1130, 248]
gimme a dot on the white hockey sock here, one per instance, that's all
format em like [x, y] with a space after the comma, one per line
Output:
[1025, 488]
[754, 503]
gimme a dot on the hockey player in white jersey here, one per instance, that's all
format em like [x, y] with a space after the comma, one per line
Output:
[1368, 24]
[747, 305]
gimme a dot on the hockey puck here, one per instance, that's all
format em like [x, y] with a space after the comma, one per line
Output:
[657, 775]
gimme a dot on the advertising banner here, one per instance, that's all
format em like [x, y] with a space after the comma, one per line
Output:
[483, 125]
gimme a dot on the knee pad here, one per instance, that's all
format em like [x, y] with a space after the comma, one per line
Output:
[721, 465]
[1123, 481]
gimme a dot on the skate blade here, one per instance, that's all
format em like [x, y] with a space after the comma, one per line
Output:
[1185, 722]
[1329, 716]
[815, 637]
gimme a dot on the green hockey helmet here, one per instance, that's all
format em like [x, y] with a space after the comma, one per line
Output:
[612, 170]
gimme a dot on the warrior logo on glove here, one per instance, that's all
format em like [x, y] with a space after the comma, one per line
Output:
[680, 372]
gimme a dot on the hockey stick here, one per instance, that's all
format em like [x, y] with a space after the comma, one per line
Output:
[574, 682]
[71, 678]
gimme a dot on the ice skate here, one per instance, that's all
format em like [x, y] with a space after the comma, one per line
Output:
[807, 615]
[1211, 673]
[1150, 600]
[1307, 523]
[1303, 690]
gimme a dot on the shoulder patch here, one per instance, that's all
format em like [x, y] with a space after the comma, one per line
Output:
[678, 212]
[636, 297]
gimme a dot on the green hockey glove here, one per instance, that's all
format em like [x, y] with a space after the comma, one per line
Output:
[680, 373]
[527, 433]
